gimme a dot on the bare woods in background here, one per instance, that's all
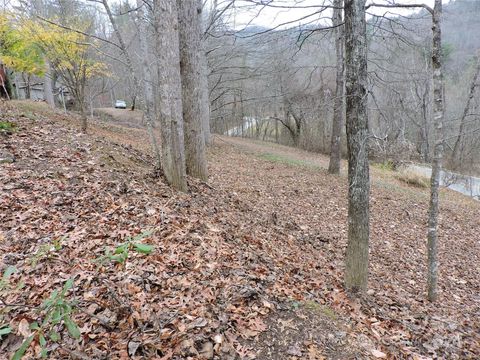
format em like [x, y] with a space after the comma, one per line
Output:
[282, 85]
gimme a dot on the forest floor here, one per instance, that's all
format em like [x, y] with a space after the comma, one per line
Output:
[248, 266]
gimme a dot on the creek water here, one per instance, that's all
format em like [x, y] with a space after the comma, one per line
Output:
[465, 184]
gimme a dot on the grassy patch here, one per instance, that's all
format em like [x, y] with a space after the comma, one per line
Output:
[287, 161]
[393, 186]
[413, 179]
[32, 106]
[385, 166]
[320, 309]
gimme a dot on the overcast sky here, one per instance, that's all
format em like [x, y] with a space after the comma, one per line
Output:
[300, 12]
[287, 13]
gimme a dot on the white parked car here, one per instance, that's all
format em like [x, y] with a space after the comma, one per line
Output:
[120, 104]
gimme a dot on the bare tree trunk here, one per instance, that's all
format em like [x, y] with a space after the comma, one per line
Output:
[48, 86]
[169, 98]
[204, 92]
[123, 48]
[149, 108]
[276, 127]
[238, 122]
[356, 272]
[438, 114]
[147, 104]
[3, 80]
[205, 100]
[17, 86]
[425, 146]
[83, 117]
[190, 30]
[338, 108]
[458, 148]
[26, 80]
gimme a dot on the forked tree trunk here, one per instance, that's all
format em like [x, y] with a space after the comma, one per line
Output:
[356, 272]
[438, 113]
[169, 99]
[190, 30]
[149, 105]
[338, 108]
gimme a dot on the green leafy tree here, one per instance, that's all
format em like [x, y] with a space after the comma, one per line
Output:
[17, 51]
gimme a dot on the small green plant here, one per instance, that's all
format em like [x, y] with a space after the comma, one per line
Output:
[5, 330]
[56, 309]
[7, 126]
[5, 281]
[47, 250]
[295, 305]
[121, 252]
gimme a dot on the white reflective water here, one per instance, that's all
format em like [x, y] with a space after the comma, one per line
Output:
[467, 185]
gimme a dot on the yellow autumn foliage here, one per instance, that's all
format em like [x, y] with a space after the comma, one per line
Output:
[25, 44]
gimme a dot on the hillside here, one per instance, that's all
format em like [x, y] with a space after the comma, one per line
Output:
[247, 266]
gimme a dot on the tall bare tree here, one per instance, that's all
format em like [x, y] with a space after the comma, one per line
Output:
[438, 115]
[169, 98]
[124, 50]
[459, 146]
[148, 97]
[338, 104]
[204, 92]
[356, 272]
[147, 101]
[194, 112]
[48, 85]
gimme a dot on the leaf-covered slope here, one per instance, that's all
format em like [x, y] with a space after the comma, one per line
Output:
[257, 252]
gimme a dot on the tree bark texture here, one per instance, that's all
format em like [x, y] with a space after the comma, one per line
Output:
[149, 103]
[338, 105]
[204, 89]
[438, 114]
[169, 97]
[48, 86]
[356, 272]
[194, 111]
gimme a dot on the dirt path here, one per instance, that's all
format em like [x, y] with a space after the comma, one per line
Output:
[251, 266]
